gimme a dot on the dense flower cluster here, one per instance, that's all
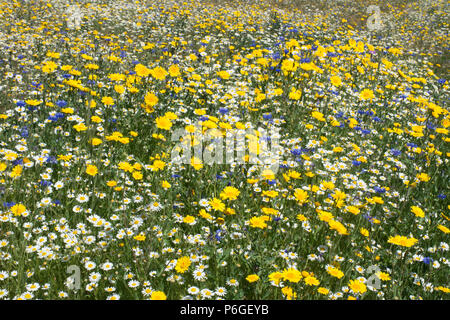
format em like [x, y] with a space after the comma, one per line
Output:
[358, 208]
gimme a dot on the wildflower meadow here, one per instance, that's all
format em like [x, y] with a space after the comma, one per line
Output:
[206, 149]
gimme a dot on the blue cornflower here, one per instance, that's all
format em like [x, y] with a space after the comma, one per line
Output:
[223, 110]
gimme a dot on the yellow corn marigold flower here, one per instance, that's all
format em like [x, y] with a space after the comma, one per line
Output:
[257, 222]
[443, 228]
[165, 184]
[383, 276]
[323, 291]
[111, 183]
[163, 123]
[137, 175]
[230, 193]
[150, 99]
[96, 141]
[339, 227]
[174, 70]
[18, 209]
[183, 264]
[159, 73]
[141, 70]
[91, 170]
[196, 163]
[252, 278]
[158, 295]
[107, 101]
[318, 115]
[292, 275]
[80, 127]
[189, 219]
[289, 293]
[140, 237]
[357, 286]
[423, 177]
[223, 74]
[311, 281]
[354, 210]
[16, 171]
[336, 81]
[366, 94]
[335, 272]
[402, 241]
[301, 196]
[418, 212]
[217, 204]
[276, 277]
[158, 165]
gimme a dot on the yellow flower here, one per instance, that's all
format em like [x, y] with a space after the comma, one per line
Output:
[67, 110]
[335, 272]
[229, 193]
[383, 276]
[165, 184]
[312, 281]
[125, 166]
[183, 264]
[292, 275]
[189, 219]
[96, 141]
[318, 115]
[80, 127]
[137, 175]
[150, 99]
[217, 204]
[196, 163]
[336, 81]
[339, 227]
[323, 290]
[107, 101]
[257, 222]
[141, 70]
[364, 232]
[119, 89]
[252, 278]
[158, 165]
[223, 74]
[18, 209]
[417, 211]
[158, 295]
[295, 94]
[301, 196]
[91, 170]
[16, 171]
[96, 119]
[443, 228]
[357, 286]
[163, 123]
[111, 183]
[174, 70]
[159, 73]
[289, 293]
[403, 241]
[139, 237]
[49, 66]
[366, 94]
[276, 277]
[354, 210]
[423, 177]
